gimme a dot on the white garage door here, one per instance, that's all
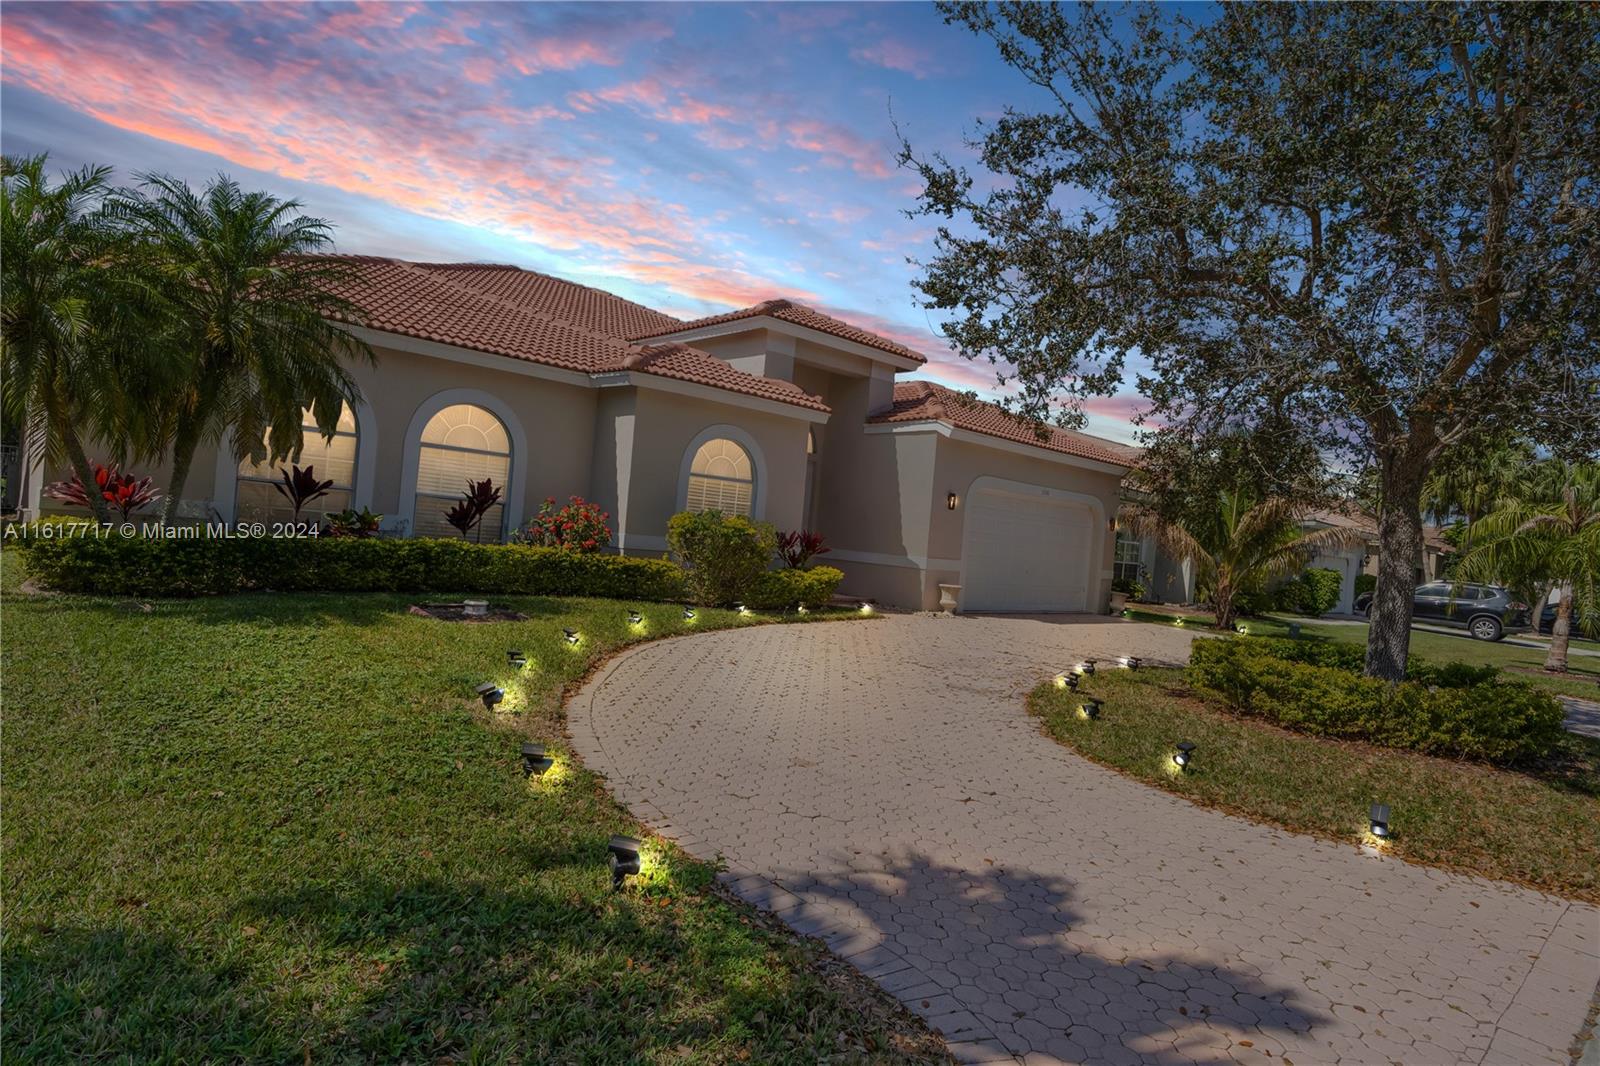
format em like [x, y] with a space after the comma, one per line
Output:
[1026, 551]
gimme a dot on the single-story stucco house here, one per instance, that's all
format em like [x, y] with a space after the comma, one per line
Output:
[555, 389]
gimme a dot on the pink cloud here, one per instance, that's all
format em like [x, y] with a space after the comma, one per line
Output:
[895, 54]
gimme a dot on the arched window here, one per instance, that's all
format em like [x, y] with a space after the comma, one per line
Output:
[461, 443]
[721, 478]
[255, 499]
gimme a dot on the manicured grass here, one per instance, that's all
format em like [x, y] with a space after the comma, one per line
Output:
[281, 828]
[1582, 678]
[1540, 829]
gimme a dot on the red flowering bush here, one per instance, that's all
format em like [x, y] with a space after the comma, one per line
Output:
[578, 526]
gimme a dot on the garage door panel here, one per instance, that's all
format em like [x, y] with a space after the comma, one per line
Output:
[1026, 553]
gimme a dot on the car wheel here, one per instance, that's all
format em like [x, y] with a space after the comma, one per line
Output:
[1485, 628]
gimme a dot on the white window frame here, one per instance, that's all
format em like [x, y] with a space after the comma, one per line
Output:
[758, 466]
[511, 513]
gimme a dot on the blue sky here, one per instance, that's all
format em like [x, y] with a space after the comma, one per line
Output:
[692, 157]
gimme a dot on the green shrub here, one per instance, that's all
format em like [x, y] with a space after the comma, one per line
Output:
[724, 555]
[778, 590]
[1366, 583]
[1352, 657]
[133, 566]
[1477, 715]
[1315, 592]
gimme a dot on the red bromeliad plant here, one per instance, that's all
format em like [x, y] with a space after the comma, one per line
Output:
[578, 526]
[476, 502]
[125, 492]
[301, 487]
[797, 547]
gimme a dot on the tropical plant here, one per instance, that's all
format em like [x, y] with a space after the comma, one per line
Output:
[476, 502]
[798, 547]
[124, 492]
[65, 332]
[1380, 222]
[1552, 527]
[1238, 545]
[725, 555]
[577, 526]
[299, 485]
[354, 524]
[252, 320]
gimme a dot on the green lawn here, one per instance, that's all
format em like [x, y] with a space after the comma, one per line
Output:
[1582, 679]
[1540, 829]
[281, 828]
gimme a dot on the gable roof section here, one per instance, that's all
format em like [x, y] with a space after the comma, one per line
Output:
[797, 314]
[582, 305]
[923, 401]
[1349, 516]
[484, 310]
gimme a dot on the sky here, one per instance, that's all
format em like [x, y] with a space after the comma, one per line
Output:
[694, 158]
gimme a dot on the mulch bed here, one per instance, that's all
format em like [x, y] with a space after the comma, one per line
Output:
[457, 612]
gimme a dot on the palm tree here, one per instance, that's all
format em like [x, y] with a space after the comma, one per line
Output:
[251, 314]
[61, 319]
[1551, 526]
[1238, 545]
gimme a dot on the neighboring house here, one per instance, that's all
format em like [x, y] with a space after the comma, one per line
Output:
[777, 411]
[1167, 580]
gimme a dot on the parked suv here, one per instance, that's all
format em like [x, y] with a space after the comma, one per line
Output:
[1485, 611]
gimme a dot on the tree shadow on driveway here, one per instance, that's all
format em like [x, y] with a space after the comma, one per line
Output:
[995, 957]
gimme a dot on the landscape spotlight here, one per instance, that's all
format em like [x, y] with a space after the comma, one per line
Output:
[571, 635]
[1177, 621]
[741, 608]
[1132, 662]
[1086, 667]
[491, 694]
[1184, 755]
[635, 618]
[801, 608]
[516, 660]
[1090, 708]
[1067, 679]
[866, 606]
[1240, 627]
[624, 859]
[534, 761]
[1379, 817]
[688, 614]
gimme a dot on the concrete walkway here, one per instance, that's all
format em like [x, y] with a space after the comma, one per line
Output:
[880, 785]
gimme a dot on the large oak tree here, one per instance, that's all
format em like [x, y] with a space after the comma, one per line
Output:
[1380, 222]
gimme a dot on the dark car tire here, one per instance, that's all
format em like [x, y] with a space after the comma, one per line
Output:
[1486, 627]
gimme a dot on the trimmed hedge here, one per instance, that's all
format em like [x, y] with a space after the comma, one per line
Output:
[1314, 592]
[133, 566]
[1304, 686]
[1353, 658]
[778, 590]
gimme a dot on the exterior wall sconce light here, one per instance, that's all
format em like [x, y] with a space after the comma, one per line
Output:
[516, 660]
[623, 859]
[1090, 708]
[1184, 755]
[1378, 817]
[534, 761]
[1067, 679]
[571, 635]
[491, 694]
[635, 618]
[950, 501]
[688, 614]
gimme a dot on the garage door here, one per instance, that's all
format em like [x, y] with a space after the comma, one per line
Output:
[1026, 551]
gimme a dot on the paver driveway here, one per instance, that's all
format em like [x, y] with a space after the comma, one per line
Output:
[881, 785]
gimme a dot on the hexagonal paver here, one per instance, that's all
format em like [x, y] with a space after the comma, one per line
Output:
[881, 785]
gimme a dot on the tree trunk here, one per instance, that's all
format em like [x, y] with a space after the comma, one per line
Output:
[184, 443]
[85, 472]
[1399, 546]
[1222, 604]
[1560, 633]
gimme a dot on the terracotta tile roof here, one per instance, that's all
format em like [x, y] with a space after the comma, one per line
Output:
[482, 309]
[1349, 516]
[923, 401]
[800, 315]
[581, 305]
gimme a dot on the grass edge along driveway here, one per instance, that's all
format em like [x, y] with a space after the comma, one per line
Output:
[271, 827]
[1539, 829]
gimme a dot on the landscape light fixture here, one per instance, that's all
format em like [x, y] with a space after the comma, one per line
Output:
[1132, 662]
[741, 608]
[801, 608]
[688, 614]
[1184, 755]
[635, 618]
[1378, 816]
[950, 501]
[1177, 621]
[1090, 708]
[866, 606]
[571, 635]
[534, 761]
[1067, 679]
[1294, 629]
[624, 859]
[491, 694]
[516, 660]
[1240, 627]
[1086, 667]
